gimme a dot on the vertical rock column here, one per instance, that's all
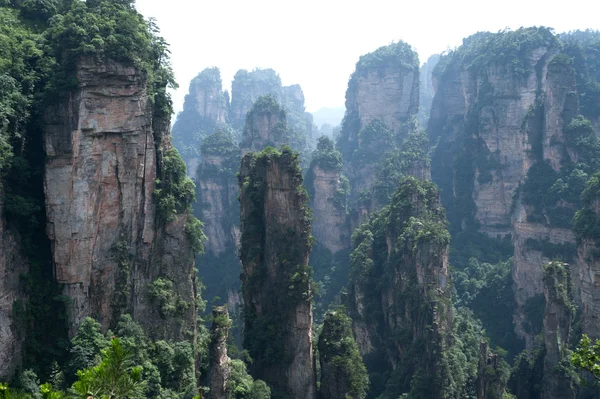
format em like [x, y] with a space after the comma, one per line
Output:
[343, 374]
[488, 385]
[398, 294]
[558, 317]
[275, 246]
[220, 364]
[325, 183]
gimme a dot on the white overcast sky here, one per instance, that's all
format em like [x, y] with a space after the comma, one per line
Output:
[316, 43]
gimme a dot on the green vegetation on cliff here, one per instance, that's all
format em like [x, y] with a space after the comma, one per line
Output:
[343, 374]
[586, 223]
[41, 44]
[583, 47]
[396, 54]
[268, 117]
[506, 48]
[400, 254]
[264, 334]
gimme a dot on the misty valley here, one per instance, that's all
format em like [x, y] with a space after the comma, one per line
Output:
[438, 237]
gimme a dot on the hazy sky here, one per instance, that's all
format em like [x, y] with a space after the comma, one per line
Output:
[316, 43]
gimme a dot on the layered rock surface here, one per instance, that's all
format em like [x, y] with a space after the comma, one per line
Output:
[586, 273]
[103, 152]
[494, 117]
[266, 125]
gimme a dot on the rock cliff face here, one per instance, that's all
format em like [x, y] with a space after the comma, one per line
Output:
[394, 272]
[328, 189]
[426, 88]
[205, 109]
[586, 272]
[500, 116]
[558, 317]
[13, 265]
[220, 364]
[330, 226]
[219, 209]
[218, 191]
[275, 246]
[382, 95]
[384, 87]
[110, 249]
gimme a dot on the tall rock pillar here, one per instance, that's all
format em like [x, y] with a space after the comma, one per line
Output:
[275, 245]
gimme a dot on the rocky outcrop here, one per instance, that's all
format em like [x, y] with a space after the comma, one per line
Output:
[396, 268]
[13, 265]
[218, 207]
[384, 87]
[328, 204]
[205, 108]
[247, 88]
[220, 364]
[558, 316]
[489, 382]
[586, 272]
[217, 192]
[343, 374]
[112, 252]
[498, 116]
[382, 97]
[276, 288]
[266, 125]
[328, 191]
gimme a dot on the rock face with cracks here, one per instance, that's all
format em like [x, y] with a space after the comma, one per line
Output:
[111, 251]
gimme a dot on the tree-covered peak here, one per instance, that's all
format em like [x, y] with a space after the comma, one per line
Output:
[111, 29]
[326, 156]
[208, 78]
[507, 47]
[266, 104]
[398, 54]
[266, 75]
[219, 143]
